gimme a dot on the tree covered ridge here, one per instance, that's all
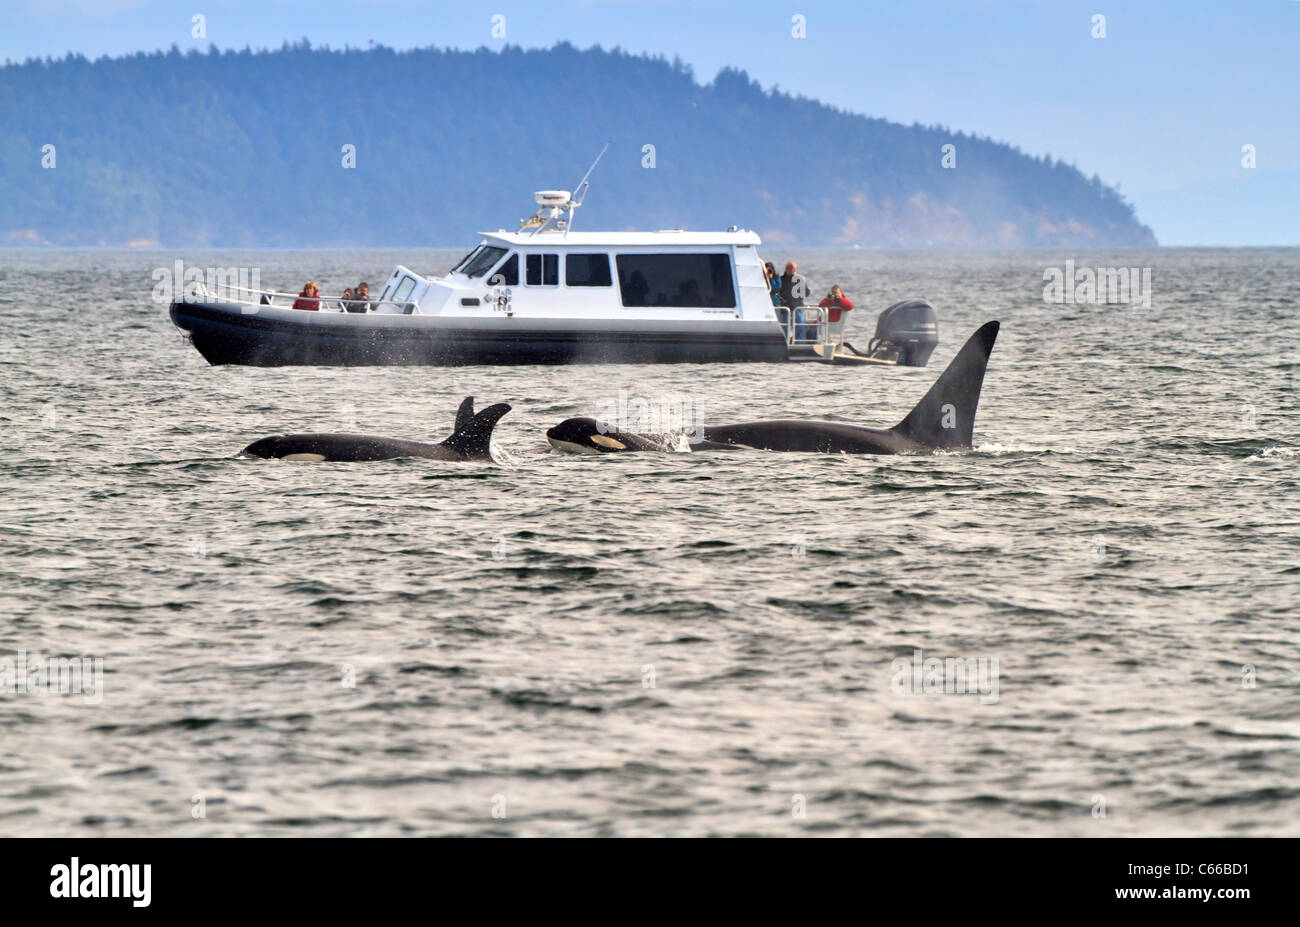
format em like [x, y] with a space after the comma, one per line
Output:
[245, 149]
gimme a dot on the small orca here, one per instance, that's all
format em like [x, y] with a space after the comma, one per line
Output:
[588, 436]
[471, 440]
[944, 418]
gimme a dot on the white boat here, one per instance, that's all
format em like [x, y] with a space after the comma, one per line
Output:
[546, 294]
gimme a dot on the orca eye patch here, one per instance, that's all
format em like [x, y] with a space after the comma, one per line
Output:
[607, 441]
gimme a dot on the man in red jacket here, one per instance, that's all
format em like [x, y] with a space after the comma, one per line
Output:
[836, 308]
[835, 304]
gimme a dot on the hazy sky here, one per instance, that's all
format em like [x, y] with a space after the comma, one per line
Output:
[1161, 106]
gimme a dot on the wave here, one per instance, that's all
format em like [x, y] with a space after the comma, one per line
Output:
[995, 449]
[1276, 453]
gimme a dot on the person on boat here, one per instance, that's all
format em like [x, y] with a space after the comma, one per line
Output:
[361, 298]
[793, 290]
[773, 282]
[634, 294]
[837, 307]
[309, 298]
[346, 300]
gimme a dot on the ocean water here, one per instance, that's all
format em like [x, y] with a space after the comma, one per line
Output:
[680, 644]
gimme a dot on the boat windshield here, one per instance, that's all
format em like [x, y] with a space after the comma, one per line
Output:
[466, 259]
[482, 260]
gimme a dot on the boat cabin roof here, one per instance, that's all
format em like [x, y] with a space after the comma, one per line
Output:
[665, 238]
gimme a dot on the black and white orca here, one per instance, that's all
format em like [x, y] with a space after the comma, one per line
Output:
[470, 440]
[588, 436]
[943, 419]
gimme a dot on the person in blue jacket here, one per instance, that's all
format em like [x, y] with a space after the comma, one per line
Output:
[774, 291]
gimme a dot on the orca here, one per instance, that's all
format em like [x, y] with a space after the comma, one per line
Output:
[943, 419]
[588, 436]
[471, 439]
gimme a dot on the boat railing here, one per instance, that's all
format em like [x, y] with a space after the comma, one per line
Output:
[806, 326]
[269, 297]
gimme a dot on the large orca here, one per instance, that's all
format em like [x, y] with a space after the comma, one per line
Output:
[944, 418]
[471, 440]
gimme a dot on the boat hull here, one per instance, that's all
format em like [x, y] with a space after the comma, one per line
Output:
[272, 336]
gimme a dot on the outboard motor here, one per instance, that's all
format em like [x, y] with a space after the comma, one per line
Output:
[907, 332]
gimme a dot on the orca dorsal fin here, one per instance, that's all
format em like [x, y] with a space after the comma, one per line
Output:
[945, 416]
[473, 438]
[464, 414]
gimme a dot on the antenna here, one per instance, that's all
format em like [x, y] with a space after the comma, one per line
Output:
[580, 190]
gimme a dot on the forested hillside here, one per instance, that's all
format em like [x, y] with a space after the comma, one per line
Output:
[240, 148]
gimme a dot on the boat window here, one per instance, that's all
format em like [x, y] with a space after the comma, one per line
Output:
[676, 280]
[465, 260]
[404, 289]
[542, 270]
[587, 270]
[507, 274]
[483, 261]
